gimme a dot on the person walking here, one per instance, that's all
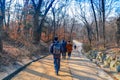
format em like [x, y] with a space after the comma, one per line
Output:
[56, 50]
[63, 43]
[69, 49]
[75, 46]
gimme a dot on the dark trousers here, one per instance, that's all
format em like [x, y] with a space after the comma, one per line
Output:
[69, 54]
[64, 54]
[57, 64]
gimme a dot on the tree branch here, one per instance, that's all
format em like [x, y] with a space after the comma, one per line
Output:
[39, 4]
[46, 11]
[34, 4]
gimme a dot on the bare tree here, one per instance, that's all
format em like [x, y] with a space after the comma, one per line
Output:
[72, 28]
[25, 10]
[17, 16]
[2, 17]
[118, 31]
[82, 16]
[58, 14]
[103, 20]
[38, 26]
[54, 25]
[103, 11]
[8, 8]
[64, 22]
[95, 19]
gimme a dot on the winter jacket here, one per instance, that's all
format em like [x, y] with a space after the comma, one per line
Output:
[63, 44]
[69, 47]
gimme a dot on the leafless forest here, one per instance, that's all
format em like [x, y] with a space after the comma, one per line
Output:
[28, 26]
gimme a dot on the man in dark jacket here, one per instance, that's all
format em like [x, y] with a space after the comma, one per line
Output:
[63, 43]
[56, 49]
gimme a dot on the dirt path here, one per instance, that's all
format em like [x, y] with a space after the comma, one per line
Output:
[44, 70]
[78, 67]
[83, 69]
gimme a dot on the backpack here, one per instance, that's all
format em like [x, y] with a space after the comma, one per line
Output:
[56, 50]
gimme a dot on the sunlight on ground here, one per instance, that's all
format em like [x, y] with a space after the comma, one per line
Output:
[44, 70]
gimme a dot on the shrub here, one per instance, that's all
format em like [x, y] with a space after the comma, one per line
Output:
[92, 54]
[86, 47]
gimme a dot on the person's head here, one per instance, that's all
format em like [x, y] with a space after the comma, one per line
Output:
[68, 41]
[55, 38]
[63, 40]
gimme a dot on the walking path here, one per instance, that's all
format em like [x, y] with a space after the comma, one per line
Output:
[77, 68]
[83, 69]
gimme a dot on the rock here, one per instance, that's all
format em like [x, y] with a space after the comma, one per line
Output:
[112, 65]
[118, 68]
[106, 64]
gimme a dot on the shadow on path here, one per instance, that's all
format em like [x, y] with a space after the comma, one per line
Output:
[41, 74]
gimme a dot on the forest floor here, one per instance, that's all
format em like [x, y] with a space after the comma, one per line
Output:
[18, 53]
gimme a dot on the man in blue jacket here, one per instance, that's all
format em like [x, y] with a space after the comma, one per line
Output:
[56, 49]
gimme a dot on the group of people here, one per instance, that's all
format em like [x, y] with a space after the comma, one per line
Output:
[66, 48]
[57, 48]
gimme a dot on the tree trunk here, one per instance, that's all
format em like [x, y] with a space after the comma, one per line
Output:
[53, 11]
[64, 28]
[89, 34]
[37, 31]
[95, 20]
[103, 20]
[2, 17]
[1, 44]
[36, 36]
[71, 31]
[8, 21]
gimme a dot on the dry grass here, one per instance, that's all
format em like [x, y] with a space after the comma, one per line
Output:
[13, 51]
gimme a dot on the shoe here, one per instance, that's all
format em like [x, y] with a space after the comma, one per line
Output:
[56, 72]
[68, 57]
